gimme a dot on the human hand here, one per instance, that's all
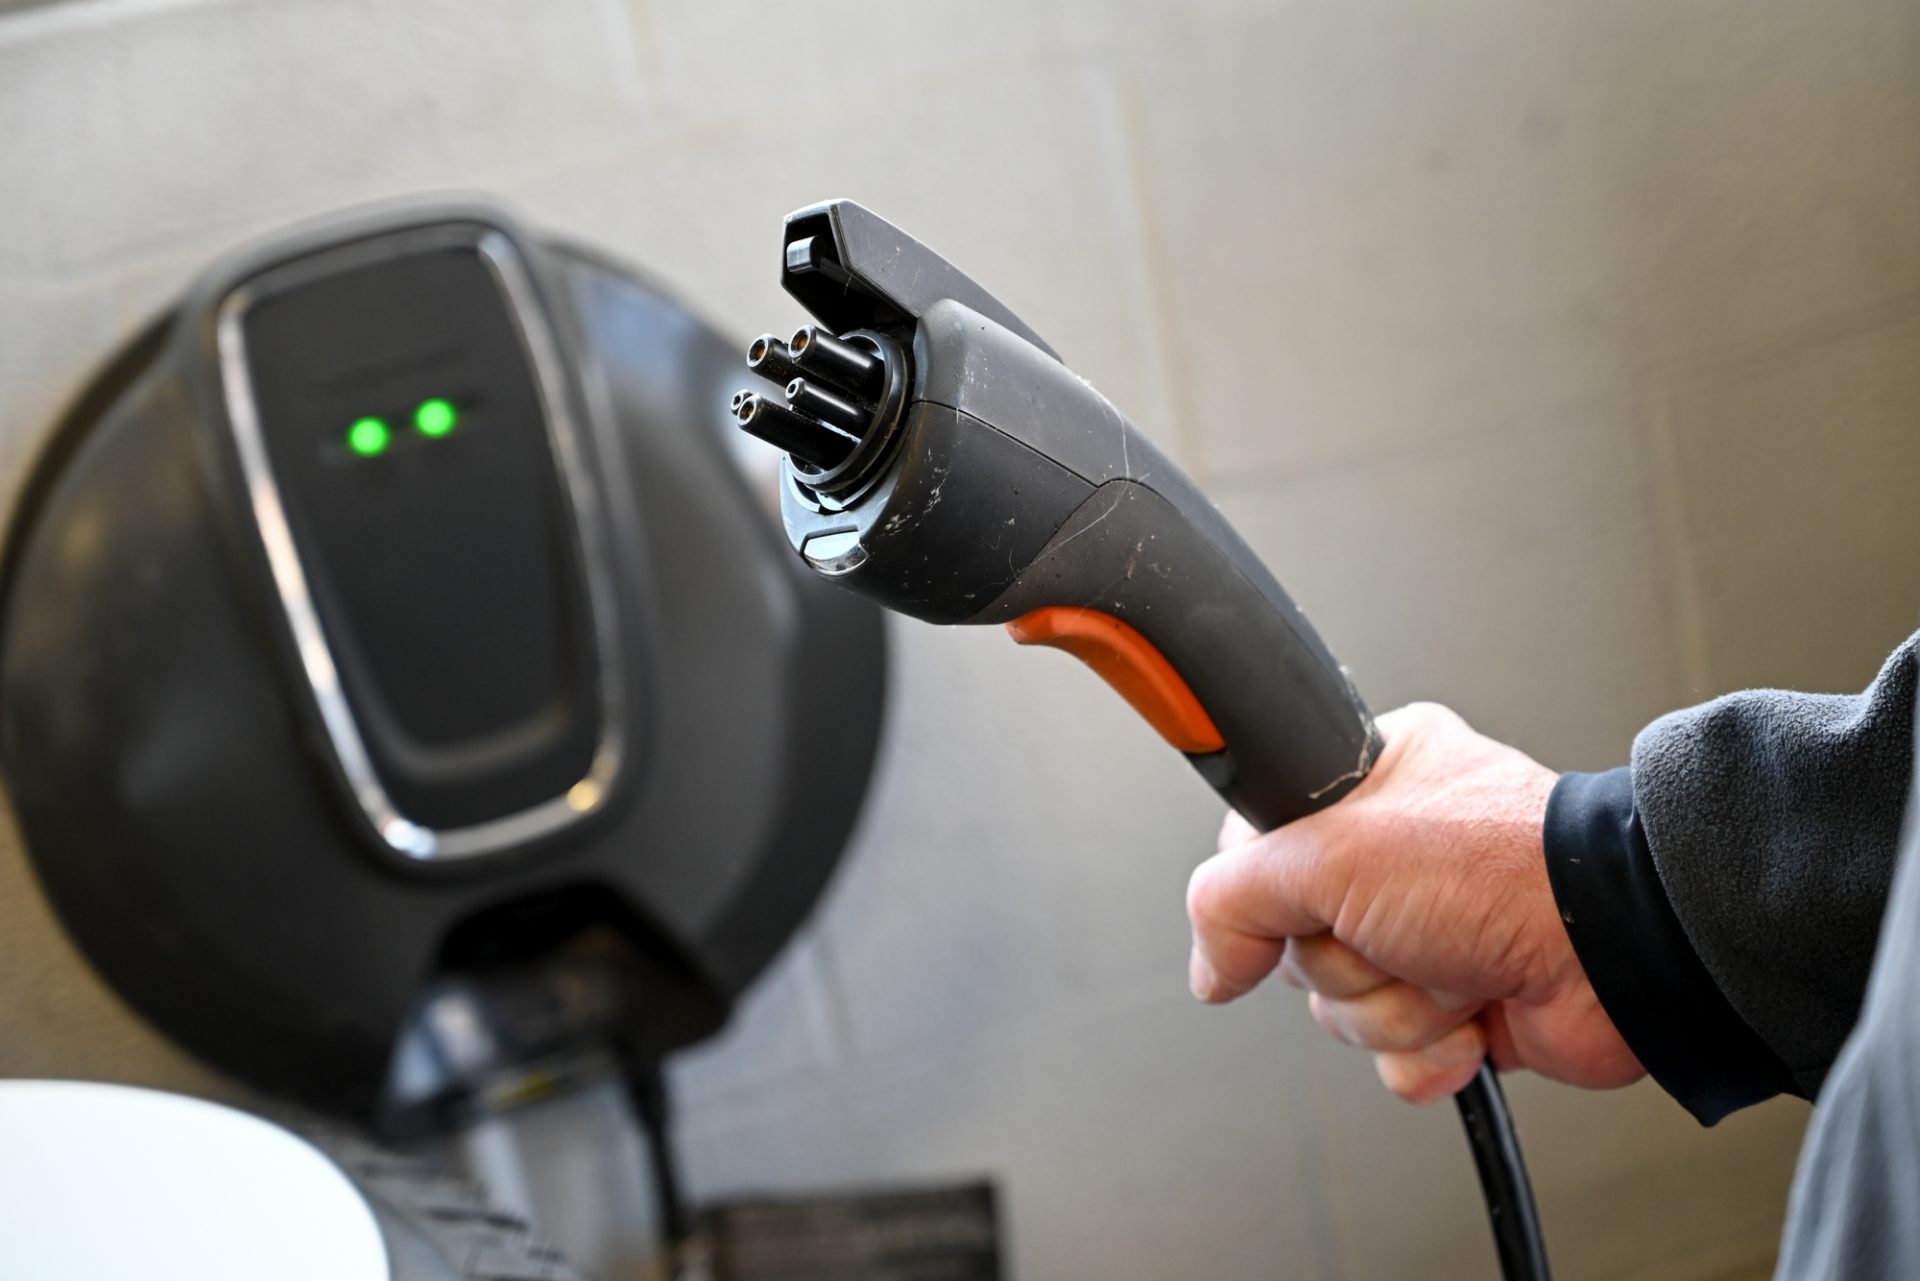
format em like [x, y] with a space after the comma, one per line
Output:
[1418, 915]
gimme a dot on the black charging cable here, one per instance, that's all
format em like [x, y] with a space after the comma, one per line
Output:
[1511, 1211]
[652, 1103]
[1503, 1178]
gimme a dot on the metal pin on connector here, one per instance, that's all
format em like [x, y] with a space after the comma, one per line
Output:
[838, 363]
[814, 443]
[844, 398]
[816, 401]
[767, 356]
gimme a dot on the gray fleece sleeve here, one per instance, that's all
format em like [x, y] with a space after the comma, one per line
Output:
[1859, 1178]
[1774, 820]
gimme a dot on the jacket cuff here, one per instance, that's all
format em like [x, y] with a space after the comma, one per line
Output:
[1638, 958]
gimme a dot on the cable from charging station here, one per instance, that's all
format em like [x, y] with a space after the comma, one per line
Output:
[1504, 1184]
[1503, 1178]
[652, 1105]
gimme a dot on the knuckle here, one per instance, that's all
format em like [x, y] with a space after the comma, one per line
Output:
[1421, 720]
[1428, 712]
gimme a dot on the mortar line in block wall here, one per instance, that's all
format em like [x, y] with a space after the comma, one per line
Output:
[624, 36]
[42, 18]
[1664, 384]
[837, 1018]
[1683, 588]
[1174, 382]
[185, 253]
[643, 27]
[1671, 374]
[1157, 412]
[824, 1018]
[893, 1060]
[1273, 478]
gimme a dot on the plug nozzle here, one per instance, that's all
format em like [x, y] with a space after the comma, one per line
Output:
[822, 357]
[845, 398]
[816, 401]
[768, 357]
[817, 444]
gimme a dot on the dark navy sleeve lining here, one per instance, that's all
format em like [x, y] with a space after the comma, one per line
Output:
[1638, 958]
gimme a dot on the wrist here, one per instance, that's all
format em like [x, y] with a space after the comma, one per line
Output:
[1636, 957]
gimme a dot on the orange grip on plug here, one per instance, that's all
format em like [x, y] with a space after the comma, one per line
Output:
[1126, 660]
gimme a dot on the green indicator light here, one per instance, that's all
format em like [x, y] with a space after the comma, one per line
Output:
[435, 417]
[368, 437]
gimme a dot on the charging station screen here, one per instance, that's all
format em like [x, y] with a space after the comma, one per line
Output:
[406, 433]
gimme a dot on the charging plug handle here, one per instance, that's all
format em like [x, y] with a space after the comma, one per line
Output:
[1025, 498]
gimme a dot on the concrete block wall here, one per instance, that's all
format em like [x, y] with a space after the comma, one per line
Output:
[1562, 359]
